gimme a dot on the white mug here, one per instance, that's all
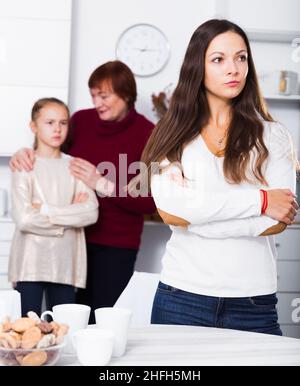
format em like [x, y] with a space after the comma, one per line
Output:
[76, 316]
[116, 320]
[93, 346]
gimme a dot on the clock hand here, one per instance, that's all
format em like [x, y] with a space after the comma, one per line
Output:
[150, 49]
[144, 49]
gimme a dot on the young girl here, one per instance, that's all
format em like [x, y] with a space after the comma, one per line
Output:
[50, 208]
[226, 179]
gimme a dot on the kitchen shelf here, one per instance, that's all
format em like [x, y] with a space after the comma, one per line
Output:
[291, 98]
[154, 223]
[274, 36]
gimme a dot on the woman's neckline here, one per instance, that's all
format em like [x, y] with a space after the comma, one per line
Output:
[214, 155]
[114, 127]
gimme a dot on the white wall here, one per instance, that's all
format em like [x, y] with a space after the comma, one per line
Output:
[264, 14]
[35, 38]
[97, 26]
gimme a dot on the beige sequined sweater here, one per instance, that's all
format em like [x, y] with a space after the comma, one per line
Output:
[49, 244]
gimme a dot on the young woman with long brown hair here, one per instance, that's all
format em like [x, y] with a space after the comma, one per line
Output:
[225, 181]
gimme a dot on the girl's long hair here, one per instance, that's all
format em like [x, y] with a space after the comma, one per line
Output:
[189, 112]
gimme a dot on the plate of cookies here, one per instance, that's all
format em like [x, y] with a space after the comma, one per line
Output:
[29, 341]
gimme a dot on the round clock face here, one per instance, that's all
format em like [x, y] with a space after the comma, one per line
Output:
[144, 48]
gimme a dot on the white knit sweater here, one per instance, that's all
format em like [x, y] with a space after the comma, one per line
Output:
[221, 253]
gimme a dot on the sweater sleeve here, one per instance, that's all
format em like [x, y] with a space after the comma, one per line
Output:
[200, 207]
[75, 215]
[27, 218]
[122, 199]
[137, 205]
[280, 173]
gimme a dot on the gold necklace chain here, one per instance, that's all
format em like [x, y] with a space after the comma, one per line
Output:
[220, 140]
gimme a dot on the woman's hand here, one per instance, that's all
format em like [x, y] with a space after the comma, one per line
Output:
[282, 205]
[84, 171]
[36, 206]
[87, 173]
[169, 219]
[22, 160]
[275, 229]
[80, 198]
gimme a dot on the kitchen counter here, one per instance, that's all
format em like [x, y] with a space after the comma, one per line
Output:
[164, 345]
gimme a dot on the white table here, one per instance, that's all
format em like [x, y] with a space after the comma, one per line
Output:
[158, 345]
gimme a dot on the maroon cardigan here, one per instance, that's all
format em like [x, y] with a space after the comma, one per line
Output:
[120, 221]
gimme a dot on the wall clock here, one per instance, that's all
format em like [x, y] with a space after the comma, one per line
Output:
[144, 48]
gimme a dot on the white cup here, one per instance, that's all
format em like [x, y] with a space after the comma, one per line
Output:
[116, 320]
[76, 316]
[93, 346]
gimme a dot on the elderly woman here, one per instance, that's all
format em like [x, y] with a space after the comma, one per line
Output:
[111, 134]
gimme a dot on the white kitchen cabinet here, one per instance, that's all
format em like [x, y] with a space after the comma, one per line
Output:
[35, 45]
[4, 248]
[7, 228]
[4, 283]
[153, 244]
[289, 310]
[36, 9]
[288, 270]
[3, 263]
[15, 111]
[6, 233]
[288, 275]
[266, 15]
[288, 244]
[37, 53]
[156, 235]
[291, 331]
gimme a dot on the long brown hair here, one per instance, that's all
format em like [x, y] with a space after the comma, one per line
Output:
[189, 112]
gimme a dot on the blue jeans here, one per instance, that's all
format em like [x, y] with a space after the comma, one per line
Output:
[174, 306]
